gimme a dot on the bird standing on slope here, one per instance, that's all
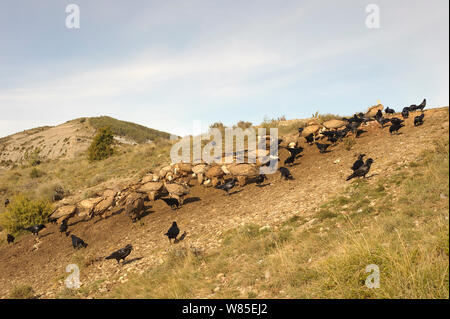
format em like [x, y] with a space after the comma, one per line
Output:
[362, 171]
[309, 138]
[389, 111]
[227, 186]
[359, 162]
[260, 179]
[418, 120]
[35, 229]
[285, 173]
[379, 115]
[77, 242]
[173, 232]
[405, 112]
[290, 160]
[395, 127]
[10, 238]
[322, 147]
[121, 254]
[63, 227]
[382, 121]
[422, 105]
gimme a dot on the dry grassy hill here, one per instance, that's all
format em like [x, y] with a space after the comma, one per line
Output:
[71, 139]
[310, 237]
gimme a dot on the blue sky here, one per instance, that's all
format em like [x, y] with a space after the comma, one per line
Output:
[166, 64]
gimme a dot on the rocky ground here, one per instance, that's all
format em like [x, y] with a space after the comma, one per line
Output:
[207, 213]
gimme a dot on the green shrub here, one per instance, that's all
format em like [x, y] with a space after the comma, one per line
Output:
[101, 146]
[138, 133]
[24, 212]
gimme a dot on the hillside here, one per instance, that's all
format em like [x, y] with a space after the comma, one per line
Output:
[310, 237]
[129, 131]
[71, 139]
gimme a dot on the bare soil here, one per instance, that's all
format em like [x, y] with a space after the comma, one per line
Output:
[207, 213]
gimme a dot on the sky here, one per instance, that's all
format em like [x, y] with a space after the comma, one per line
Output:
[170, 64]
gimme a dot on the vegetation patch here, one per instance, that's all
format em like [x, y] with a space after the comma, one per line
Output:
[24, 212]
[139, 133]
[366, 225]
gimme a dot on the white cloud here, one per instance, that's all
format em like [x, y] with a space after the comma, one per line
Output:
[229, 60]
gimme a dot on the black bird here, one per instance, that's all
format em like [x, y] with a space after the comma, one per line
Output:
[10, 238]
[35, 229]
[310, 138]
[383, 121]
[260, 179]
[359, 132]
[418, 120]
[172, 202]
[227, 186]
[329, 133]
[357, 118]
[331, 136]
[359, 162]
[121, 253]
[353, 126]
[396, 121]
[294, 151]
[285, 173]
[395, 127]
[362, 171]
[78, 242]
[6, 202]
[422, 105]
[405, 112]
[290, 160]
[379, 115]
[63, 227]
[342, 133]
[173, 232]
[332, 139]
[389, 111]
[300, 130]
[322, 147]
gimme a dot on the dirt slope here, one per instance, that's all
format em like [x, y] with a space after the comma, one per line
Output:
[65, 140]
[208, 213]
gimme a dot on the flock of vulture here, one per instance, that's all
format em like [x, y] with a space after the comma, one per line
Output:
[360, 167]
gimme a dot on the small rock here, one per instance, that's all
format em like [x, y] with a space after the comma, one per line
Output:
[220, 275]
[264, 228]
